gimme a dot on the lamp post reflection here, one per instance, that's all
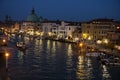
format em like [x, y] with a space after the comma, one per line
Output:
[6, 55]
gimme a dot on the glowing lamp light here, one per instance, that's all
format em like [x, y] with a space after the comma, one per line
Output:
[7, 54]
[70, 36]
[50, 33]
[81, 44]
[118, 27]
[37, 33]
[41, 33]
[106, 41]
[99, 41]
[89, 38]
[4, 40]
[2, 28]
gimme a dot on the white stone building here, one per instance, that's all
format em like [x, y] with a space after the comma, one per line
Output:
[59, 28]
[50, 28]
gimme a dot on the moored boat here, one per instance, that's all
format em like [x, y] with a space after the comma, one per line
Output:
[110, 61]
[94, 54]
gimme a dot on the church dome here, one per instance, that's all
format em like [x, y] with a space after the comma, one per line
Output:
[32, 17]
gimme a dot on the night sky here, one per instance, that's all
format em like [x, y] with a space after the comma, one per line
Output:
[72, 10]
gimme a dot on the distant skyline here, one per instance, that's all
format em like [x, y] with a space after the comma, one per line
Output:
[71, 10]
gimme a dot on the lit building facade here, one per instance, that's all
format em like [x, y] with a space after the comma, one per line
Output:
[114, 35]
[60, 29]
[50, 28]
[97, 29]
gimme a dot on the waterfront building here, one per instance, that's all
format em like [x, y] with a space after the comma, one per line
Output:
[50, 28]
[59, 29]
[97, 29]
[77, 34]
[62, 30]
[28, 27]
[71, 28]
[10, 26]
[15, 27]
[114, 35]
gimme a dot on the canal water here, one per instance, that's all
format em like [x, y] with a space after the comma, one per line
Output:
[52, 60]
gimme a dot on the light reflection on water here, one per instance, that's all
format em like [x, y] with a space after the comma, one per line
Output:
[83, 71]
[51, 60]
[105, 72]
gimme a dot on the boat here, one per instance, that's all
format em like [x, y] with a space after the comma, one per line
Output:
[94, 54]
[21, 46]
[111, 61]
[114, 62]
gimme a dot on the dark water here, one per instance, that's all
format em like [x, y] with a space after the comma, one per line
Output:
[51, 60]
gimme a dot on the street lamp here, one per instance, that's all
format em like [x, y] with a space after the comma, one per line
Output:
[81, 45]
[99, 41]
[4, 40]
[84, 35]
[50, 33]
[106, 41]
[89, 38]
[6, 55]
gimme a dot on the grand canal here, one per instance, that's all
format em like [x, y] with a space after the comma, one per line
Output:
[52, 60]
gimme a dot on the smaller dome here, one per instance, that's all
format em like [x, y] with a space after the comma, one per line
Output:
[40, 19]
